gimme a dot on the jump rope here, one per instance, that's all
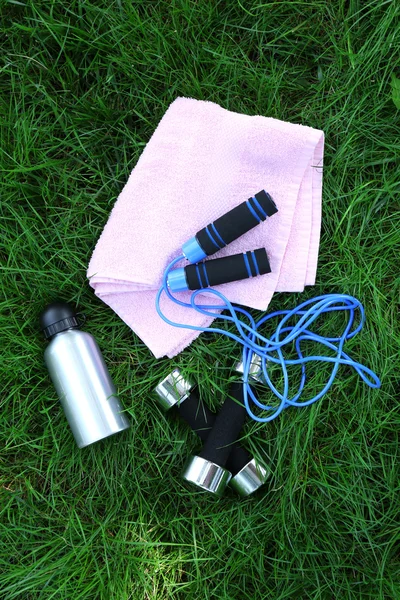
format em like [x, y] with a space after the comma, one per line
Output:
[293, 327]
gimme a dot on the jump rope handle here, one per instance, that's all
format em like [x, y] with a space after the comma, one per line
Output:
[175, 390]
[229, 227]
[211, 468]
[219, 270]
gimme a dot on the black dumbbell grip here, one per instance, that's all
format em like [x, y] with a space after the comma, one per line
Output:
[226, 429]
[197, 415]
[236, 222]
[227, 269]
[200, 419]
[238, 458]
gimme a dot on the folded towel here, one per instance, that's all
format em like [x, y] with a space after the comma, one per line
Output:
[201, 161]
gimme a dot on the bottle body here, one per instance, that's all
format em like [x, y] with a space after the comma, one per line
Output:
[84, 387]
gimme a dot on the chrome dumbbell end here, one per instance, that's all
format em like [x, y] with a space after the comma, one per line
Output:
[256, 370]
[251, 477]
[173, 389]
[206, 475]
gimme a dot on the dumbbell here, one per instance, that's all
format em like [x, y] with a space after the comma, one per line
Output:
[248, 474]
[215, 459]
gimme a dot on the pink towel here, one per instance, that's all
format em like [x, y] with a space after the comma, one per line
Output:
[201, 161]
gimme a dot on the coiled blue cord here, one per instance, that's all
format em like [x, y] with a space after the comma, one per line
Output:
[272, 349]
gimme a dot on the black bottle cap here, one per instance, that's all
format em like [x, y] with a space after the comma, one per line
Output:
[57, 317]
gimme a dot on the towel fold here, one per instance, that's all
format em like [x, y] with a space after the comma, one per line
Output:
[201, 161]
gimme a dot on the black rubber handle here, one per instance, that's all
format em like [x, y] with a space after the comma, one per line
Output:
[200, 419]
[236, 222]
[197, 415]
[238, 458]
[227, 426]
[227, 269]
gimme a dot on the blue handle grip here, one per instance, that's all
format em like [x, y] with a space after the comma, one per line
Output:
[219, 271]
[229, 227]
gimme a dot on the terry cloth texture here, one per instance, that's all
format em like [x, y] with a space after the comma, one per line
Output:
[202, 161]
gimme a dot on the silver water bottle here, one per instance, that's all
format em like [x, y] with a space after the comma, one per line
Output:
[80, 376]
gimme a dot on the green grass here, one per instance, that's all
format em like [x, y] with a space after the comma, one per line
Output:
[83, 85]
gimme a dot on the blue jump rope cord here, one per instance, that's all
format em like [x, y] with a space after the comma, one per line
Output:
[271, 349]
